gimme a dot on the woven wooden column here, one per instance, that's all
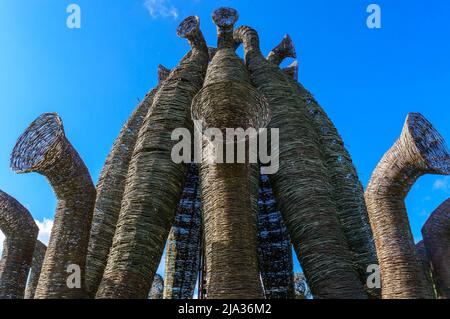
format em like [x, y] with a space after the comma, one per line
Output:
[424, 259]
[184, 243]
[302, 185]
[229, 190]
[285, 49]
[157, 289]
[274, 246]
[154, 182]
[110, 189]
[36, 265]
[44, 148]
[292, 70]
[21, 232]
[419, 150]
[348, 193]
[436, 237]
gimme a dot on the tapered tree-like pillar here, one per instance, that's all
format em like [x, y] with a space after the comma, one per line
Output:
[302, 186]
[274, 246]
[436, 237]
[229, 188]
[348, 193]
[155, 182]
[36, 265]
[184, 243]
[422, 254]
[419, 150]
[110, 189]
[157, 289]
[44, 148]
[21, 231]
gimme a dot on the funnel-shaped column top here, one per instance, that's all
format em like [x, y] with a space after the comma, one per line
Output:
[225, 18]
[33, 145]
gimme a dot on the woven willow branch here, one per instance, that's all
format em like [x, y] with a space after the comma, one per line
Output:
[110, 189]
[425, 261]
[292, 70]
[154, 183]
[436, 237]
[274, 246]
[348, 193]
[163, 73]
[229, 190]
[157, 289]
[284, 50]
[44, 148]
[302, 185]
[419, 150]
[184, 243]
[21, 232]
[36, 265]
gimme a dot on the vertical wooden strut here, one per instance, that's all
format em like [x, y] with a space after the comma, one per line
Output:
[274, 246]
[36, 265]
[436, 237]
[302, 185]
[110, 189]
[419, 150]
[44, 148]
[229, 188]
[21, 231]
[348, 193]
[184, 243]
[155, 181]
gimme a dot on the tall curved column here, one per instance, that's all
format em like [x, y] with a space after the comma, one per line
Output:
[184, 242]
[436, 237]
[44, 148]
[229, 188]
[274, 246]
[419, 150]
[21, 232]
[348, 193]
[154, 182]
[302, 185]
[110, 189]
[36, 265]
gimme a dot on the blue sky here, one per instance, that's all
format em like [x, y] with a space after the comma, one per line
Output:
[367, 80]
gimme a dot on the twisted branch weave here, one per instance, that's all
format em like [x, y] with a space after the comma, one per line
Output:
[21, 232]
[436, 237]
[302, 186]
[44, 149]
[154, 183]
[419, 150]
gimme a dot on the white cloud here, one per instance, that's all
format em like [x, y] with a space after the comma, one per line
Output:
[161, 9]
[45, 228]
[442, 184]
